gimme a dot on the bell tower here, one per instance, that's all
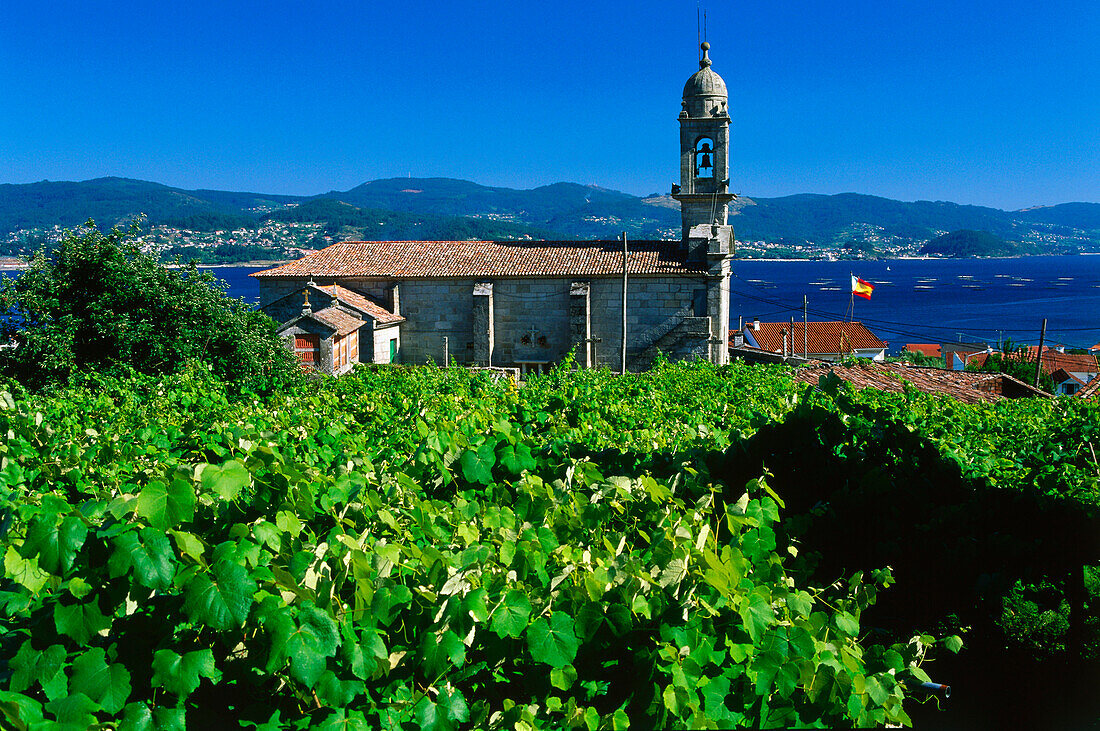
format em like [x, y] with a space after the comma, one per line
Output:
[704, 190]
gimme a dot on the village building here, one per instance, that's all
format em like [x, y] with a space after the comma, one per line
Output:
[528, 304]
[814, 340]
[928, 350]
[1069, 371]
[970, 387]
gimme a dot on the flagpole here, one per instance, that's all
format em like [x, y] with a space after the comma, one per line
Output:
[851, 298]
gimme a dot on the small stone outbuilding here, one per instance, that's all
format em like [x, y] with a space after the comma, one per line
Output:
[332, 328]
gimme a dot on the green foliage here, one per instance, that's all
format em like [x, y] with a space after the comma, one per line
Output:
[1014, 362]
[432, 548]
[98, 304]
[967, 243]
[226, 254]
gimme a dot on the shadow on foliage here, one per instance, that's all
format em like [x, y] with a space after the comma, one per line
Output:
[864, 490]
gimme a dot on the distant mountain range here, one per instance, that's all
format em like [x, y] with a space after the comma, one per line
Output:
[443, 208]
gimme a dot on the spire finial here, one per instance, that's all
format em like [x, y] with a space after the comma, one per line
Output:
[705, 60]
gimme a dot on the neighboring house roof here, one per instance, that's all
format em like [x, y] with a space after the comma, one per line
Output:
[334, 318]
[822, 337]
[1052, 360]
[351, 299]
[930, 350]
[416, 259]
[1062, 375]
[1091, 389]
[966, 386]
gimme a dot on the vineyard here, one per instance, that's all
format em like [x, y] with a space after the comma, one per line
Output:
[692, 547]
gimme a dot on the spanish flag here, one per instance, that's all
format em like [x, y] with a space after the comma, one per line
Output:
[861, 288]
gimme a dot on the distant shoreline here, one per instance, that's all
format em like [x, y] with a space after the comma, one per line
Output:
[17, 265]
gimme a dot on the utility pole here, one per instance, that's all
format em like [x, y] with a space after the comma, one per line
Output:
[805, 328]
[624, 306]
[446, 354]
[1039, 354]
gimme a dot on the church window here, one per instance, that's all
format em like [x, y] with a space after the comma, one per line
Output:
[704, 158]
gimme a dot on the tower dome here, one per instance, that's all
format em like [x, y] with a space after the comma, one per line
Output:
[705, 82]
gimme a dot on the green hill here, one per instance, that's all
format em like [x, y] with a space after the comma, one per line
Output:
[115, 200]
[967, 243]
[346, 221]
[447, 208]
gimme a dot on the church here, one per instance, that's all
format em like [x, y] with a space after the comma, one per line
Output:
[529, 304]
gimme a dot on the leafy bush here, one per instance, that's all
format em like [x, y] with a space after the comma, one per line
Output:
[98, 303]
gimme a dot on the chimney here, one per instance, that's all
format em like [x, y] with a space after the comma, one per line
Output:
[756, 323]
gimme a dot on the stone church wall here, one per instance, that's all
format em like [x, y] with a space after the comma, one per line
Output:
[532, 321]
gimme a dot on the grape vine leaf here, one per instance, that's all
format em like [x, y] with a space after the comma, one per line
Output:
[221, 602]
[757, 615]
[181, 674]
[54, 544]
[166, 506]
[24, 571]
[81, 621]
[340, 720]
[338, 693]
[148, 553]
[453, 705]
[46, 667]
[553, 642]
[106, 684]
[477, 465]
[74, 711]
[136, 717]
[307, 636]
[510, 618]
[847, 624]
[441, 650]
[20, 711]
[226, 481]
[516, 458]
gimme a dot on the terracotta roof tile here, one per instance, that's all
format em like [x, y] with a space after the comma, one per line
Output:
[363, 304]
[966, 386]
[823, 337]
[339, 320]
[1091, 389]
[929, 350]
[1052, 360]
[414, 259]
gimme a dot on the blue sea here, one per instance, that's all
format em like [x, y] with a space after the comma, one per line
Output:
[914, 301]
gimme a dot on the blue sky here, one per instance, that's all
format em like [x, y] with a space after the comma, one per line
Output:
[990, 103]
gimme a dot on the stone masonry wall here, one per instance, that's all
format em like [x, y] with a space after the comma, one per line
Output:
[531, 317]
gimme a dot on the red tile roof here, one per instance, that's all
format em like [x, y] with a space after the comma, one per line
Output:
[1052, 360]
[929, 350]
[363, 304]
[966, 386]
[1090, 390]
[415, 259]
[823, 337]
[1061, 375]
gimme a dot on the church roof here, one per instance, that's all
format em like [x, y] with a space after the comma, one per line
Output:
[705, 82]
[454, 259]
